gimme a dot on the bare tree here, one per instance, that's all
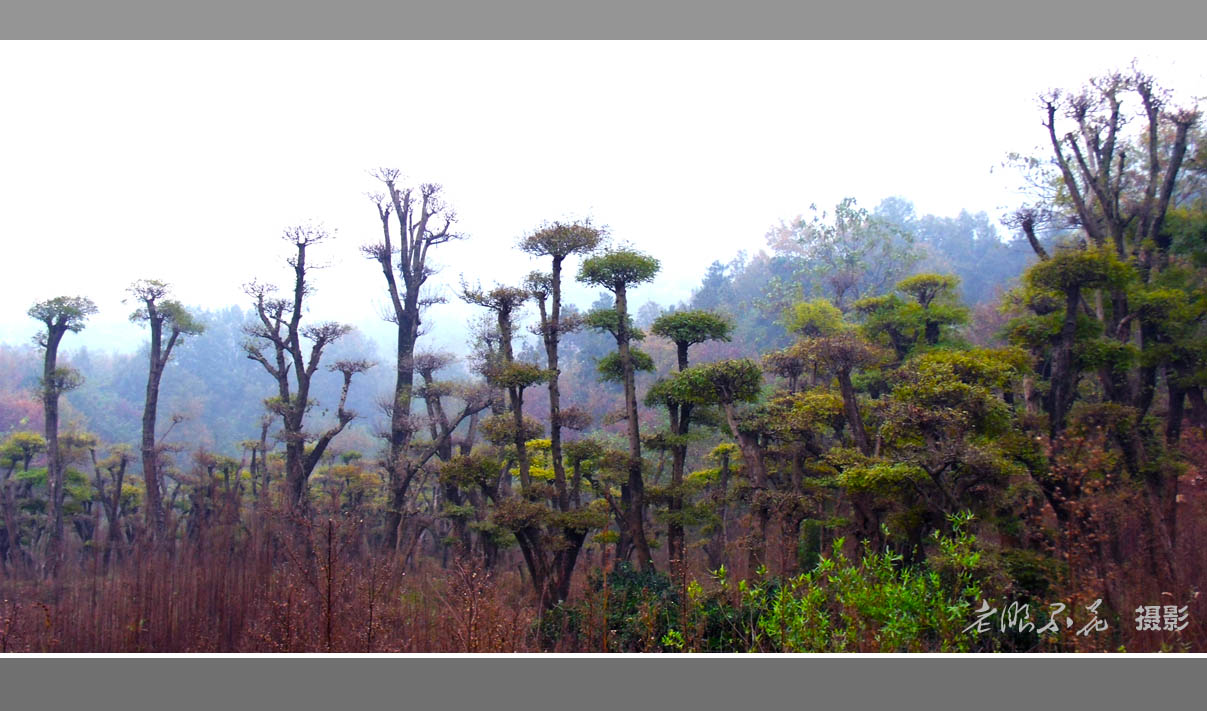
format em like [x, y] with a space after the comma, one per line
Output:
[279, 328]
[420, 221]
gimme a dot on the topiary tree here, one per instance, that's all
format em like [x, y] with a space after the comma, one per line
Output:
[727, 383]
[684, 329]
[617, 271]
[59, 315]
[157, 312]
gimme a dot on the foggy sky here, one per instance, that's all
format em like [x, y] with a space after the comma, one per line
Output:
[185, 161]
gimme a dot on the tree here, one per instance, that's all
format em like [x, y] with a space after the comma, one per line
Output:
[1116, 299]
[830, 341]
[18, 450]
[617, 270]
[853, 254]
[279, 328]
[157, 312]
[549, 540]
[922, 321]
[558, 241]
[684, 329]
[60, 315]
[110, 493]
[422, 221]
[728, 383]
[1117, 186]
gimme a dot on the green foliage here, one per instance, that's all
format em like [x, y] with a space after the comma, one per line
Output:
[691, 327]
[62, 380]
[877, 604]
[500, 429]
[169, 312]
[19, 448]
[581, 450]
[561, 239]
[469, 471]
[818, 317]
[611, 369]
[924, 321]
[641, 608]
[851, 253]
[925, 288]
[608, 321]
[63, 312]
[1080, 268]
[618, 269]
[519, 375]
[727, 381]
[793, 415]
[516, 514]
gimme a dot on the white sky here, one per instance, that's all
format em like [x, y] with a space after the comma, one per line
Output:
[184, 161]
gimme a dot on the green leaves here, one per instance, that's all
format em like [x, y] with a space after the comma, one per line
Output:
[814, 318]
[727, 381]
[520, 375]
[608, 321]
[926, 287]
[618, 269]
[64, 312]
[561, 239]
[611, 369]
[1078, 268]
[692, 327]
[500, 429]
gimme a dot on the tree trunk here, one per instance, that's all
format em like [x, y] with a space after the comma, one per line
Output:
[635, 514]
[150, 456]
[54, 460]
[400, 414]
[851, 408]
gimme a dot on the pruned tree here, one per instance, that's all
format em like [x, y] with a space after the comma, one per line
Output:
[18, 451]
[158, 313]
[728, 383]
[277, 342]
[684, 329]
[59, 315]
[557, 241]
[413, 220]
[109, 474]
[618, 270]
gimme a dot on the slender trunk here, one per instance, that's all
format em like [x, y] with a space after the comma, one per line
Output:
[552, 337]
[516, 395]
[54, 461]
[679, 420]
[636, 512]
[396, 465]
[150, 455]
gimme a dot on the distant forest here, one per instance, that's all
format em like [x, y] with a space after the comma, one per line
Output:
[218, 393]
[869, 431]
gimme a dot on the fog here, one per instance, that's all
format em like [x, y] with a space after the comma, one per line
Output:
[184, 162]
